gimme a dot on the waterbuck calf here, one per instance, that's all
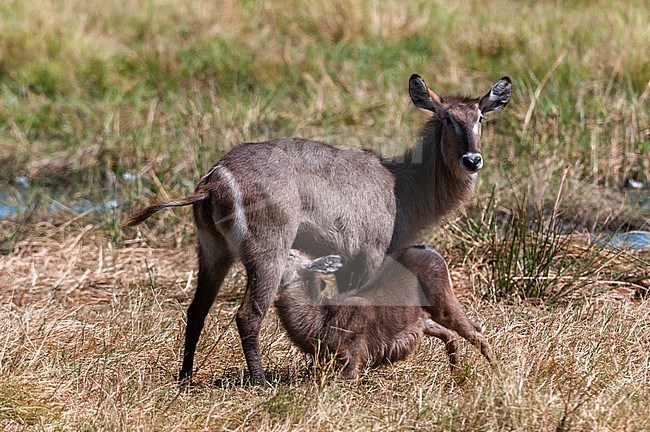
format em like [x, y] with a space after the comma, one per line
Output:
[262, 199]
[382, 321]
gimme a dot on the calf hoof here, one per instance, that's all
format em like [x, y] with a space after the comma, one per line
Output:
[487, 353]
[350, 373]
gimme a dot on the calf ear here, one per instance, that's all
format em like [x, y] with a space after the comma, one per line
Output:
[421, 96]
[498, 96]
[327, 264]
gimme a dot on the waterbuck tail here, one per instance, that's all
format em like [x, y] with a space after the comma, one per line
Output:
[138, 217]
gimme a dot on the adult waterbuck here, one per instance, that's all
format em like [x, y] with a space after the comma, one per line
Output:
[262, 199]
[383, 320]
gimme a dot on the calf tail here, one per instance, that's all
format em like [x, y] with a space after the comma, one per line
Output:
[142, 215]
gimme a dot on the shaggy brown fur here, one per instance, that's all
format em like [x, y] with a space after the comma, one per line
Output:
[382, 321]
[264, 198]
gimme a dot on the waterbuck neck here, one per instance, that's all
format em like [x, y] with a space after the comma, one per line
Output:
[426, 188]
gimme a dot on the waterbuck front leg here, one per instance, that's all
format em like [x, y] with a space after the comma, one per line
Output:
[214, 262]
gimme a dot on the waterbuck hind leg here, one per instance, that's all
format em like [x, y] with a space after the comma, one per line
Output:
[264, 274]
[214, 263]
[450, 339]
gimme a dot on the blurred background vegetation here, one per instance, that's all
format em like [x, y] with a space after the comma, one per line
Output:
[108, 105]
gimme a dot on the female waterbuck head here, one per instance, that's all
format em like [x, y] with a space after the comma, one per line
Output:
[461, 120]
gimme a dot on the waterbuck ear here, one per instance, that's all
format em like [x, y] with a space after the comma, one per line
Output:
[327, 264]
[421, 96]
[498, 96]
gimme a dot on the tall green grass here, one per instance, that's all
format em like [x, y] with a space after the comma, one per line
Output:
[91, 91]
[524, 254]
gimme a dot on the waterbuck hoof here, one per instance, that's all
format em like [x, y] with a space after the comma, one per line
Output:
[183, 377]
[259, 380]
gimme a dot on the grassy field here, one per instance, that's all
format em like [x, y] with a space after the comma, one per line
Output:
[106, 106]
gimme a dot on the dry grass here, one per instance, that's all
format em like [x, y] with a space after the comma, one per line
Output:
[129, 101]
[92, 338]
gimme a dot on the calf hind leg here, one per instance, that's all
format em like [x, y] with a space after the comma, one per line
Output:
[443, 306]
[451, 314]
[432, 328]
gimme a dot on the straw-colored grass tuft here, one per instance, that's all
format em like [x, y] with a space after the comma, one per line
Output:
[92, 336]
